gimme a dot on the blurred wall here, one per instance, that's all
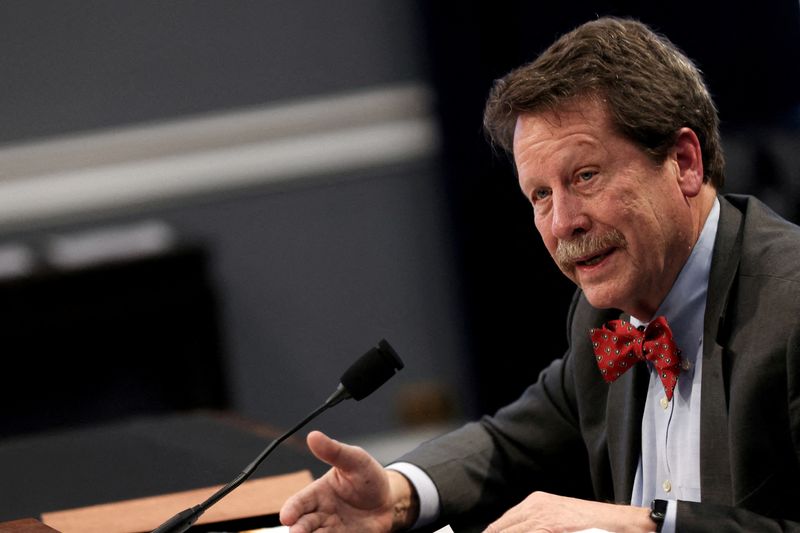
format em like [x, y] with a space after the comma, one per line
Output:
[310, 270]
[87, 64]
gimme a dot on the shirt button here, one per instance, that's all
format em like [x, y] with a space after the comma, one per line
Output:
[664, 402]
[667, 486]
[686, 364]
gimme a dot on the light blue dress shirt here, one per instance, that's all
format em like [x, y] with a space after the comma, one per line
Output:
[669, 466]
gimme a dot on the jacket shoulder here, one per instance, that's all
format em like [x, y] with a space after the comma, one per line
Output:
[770, 244]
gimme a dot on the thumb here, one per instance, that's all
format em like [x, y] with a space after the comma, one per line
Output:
[339, 455]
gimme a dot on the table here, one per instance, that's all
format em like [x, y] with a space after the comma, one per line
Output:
[137, 457]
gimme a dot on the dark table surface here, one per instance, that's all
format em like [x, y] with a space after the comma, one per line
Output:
[136, 457]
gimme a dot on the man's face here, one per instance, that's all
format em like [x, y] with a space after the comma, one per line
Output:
[617, 224]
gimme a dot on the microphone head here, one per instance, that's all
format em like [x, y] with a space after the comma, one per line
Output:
[371, 370]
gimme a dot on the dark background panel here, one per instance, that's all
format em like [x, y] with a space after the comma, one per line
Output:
[97, 344]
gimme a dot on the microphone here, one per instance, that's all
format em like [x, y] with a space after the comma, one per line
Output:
[364, 377]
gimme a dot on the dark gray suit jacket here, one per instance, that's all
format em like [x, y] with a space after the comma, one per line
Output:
[558, 436]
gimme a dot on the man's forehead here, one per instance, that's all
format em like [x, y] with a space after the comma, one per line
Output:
[584, 126]
[573, 112]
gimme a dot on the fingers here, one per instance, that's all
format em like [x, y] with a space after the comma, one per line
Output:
[339, 455]
[303, 527]
[323, 447]
[356, 489]
[306, 524]
[345, 458]
[303, 503]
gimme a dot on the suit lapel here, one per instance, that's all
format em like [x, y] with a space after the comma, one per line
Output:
[715, 472]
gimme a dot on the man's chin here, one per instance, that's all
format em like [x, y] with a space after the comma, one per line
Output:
[600, 295]
[602, 298]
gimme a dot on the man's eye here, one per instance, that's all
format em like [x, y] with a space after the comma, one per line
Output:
[586, 175]
[541, 194]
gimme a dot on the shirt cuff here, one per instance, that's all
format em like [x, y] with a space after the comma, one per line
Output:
[426, 491]
[670, 517]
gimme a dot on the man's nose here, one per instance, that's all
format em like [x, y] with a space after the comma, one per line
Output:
[569, 217]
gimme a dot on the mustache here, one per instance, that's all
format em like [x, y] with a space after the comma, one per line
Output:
[568, 252]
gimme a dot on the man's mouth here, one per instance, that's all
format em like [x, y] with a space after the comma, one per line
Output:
[587, 252]
[594, 259]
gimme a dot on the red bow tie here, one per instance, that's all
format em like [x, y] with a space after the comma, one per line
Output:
[618, 346]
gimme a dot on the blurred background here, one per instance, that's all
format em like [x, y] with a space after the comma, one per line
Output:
[219, 205]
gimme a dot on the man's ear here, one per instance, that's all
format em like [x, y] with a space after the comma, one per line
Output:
[689, 158]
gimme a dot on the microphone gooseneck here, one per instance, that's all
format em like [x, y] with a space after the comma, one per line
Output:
[363, 378]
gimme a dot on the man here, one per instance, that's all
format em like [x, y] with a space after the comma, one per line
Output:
[615, 140]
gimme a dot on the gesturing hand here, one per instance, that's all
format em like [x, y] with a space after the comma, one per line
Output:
[357, 494]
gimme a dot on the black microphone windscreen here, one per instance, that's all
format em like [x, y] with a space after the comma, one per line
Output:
[371, 370]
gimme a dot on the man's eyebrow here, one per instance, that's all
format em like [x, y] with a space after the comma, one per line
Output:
[590, 142]
[581, 149]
